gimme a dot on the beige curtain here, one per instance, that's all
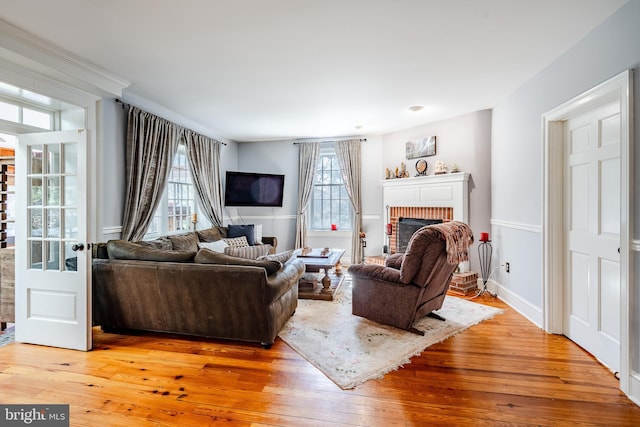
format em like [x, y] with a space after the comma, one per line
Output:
[151, 145]
[349, 156]
[307, 160]
[204, 161]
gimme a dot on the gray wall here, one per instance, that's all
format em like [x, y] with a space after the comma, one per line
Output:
[282, 157]
[112, 159]
[111, 173]
[517, 151]
[465, 141]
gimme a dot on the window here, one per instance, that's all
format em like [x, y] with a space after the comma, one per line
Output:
[330, 203]
[178, 202]
[31, 116]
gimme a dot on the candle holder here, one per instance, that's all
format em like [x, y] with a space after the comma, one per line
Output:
[485, 250]
[194, 220]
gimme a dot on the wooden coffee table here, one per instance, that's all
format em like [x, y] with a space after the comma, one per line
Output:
[319, 286]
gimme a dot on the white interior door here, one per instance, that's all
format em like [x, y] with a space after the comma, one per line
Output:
[592, 227]
[52, 262]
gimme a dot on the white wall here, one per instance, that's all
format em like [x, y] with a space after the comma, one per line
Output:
[517, 149]
[463, 140]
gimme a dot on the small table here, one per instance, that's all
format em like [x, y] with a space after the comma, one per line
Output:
[314, 261]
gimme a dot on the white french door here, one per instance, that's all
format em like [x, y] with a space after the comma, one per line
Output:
[592, 227]
[53, 286]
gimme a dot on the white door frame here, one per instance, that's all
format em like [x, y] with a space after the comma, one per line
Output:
[619, 87]
[28, 79]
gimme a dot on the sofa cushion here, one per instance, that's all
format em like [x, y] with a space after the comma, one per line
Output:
[206, 256]
[184, 242]
[238, 230]
[250, 252]
[99, 251]
[159, 243]
[281, 256]
[211, 234]
[236, 242]
[217, 246]
[122, 249]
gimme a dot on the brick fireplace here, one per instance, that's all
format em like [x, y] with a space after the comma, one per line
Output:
[422, 212]
[443, 197]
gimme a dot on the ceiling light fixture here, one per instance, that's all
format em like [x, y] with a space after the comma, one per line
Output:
[416, 108]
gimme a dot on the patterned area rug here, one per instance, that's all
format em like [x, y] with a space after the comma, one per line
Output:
[351, 350]
[7, 336]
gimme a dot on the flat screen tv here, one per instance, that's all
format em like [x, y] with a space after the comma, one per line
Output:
[253, 189]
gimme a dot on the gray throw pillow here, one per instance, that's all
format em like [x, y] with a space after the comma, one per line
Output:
[122, 249]
[206, 256]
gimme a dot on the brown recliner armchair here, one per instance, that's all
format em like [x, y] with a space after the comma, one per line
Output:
[413, 284]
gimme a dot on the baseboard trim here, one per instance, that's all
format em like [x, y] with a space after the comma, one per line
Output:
[532, 313]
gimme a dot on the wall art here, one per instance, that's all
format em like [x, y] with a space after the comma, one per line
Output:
[423, 148]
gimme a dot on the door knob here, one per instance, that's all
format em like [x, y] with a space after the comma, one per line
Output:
[77, 247]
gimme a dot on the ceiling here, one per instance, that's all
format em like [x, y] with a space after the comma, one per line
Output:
[253, 70]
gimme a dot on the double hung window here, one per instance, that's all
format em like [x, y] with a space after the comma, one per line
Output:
[330, 203]
[178, 202]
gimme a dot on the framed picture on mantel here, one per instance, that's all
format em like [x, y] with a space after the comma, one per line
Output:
[423, 148]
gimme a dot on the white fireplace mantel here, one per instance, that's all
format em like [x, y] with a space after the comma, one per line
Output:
[446, 190]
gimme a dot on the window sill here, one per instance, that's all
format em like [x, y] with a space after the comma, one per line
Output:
[329, 233]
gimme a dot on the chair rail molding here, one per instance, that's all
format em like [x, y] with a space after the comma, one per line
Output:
[517, 226]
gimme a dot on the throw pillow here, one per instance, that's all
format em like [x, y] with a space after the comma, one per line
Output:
[185, 242]
[205, 256]
[250, 252]
[257, 233]
[282, 256]
[210, 234]
[122, 249]
[235, 230]
[236, 242]
[217, 246]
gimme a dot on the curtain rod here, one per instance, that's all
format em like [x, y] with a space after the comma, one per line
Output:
[125, 105]
[330, 140]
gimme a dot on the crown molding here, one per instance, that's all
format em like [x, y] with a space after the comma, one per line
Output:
[59, 60]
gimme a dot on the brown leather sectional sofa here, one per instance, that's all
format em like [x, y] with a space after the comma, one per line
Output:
[204, 294]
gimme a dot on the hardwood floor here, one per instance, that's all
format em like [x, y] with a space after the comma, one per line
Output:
[502, 372]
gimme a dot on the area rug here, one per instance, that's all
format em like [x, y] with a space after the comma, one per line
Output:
[351, 350]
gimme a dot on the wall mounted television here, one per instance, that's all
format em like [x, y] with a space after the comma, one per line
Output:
[253, 189]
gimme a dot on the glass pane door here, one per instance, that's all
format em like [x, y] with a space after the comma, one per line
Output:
[52, 206]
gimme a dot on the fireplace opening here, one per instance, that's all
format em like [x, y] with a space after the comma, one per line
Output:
[408, 226]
